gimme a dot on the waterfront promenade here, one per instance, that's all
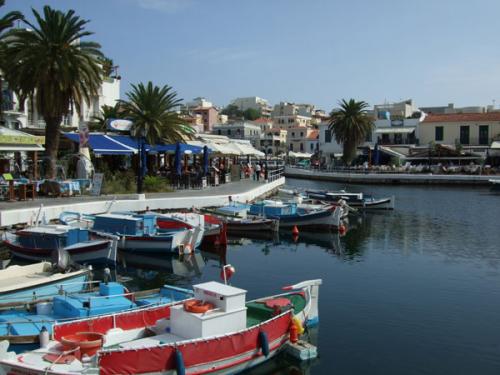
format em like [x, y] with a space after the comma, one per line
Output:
[389, 178]
[12, 213]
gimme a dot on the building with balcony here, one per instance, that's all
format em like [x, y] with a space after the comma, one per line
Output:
[395, 111]
[273, 141]
[239, 130]
[209, 117]
[253, 102]
[300, 139]
[291, 121]
[264, 123]
[470, 130]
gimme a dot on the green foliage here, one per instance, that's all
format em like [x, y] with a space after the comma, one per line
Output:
[98, 123]
[233, 112]
[119, 182]
[52, 63]
[155, 184]
[350, 124]
[251, 114]
[152, 110]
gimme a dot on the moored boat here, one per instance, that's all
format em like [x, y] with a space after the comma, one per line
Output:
[38, 243]
[237, 225]
[356, 200]
[495, 184]
[217, 332]
[39, 281]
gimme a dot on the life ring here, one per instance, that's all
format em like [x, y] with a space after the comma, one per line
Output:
[198, 306]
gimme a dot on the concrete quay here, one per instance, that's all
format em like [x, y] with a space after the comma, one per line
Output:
[389, 178]
[13, 213]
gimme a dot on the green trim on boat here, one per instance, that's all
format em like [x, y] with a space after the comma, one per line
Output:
[258, 312]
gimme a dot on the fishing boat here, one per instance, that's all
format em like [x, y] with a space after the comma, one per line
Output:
[236, 225]
[356, 200]
[38, 243]
[22, 327]
[39, 281]
[290, 215]
[181, 221]
[138, 233]
[216, 332]
[216, 234]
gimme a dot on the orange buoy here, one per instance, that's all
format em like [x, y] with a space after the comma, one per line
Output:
[342, 229]
[198, 306]
[295, 237]
[295, 230]
[294, 333]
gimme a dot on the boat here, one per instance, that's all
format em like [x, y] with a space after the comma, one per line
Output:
[181, 221]
[356, 200]
[136, 232]
[216, 332]
[215, 235]
[185, 266]
[38, 243]
[23, 327]
[236, 225]
[36, 282]
[495, 184]
[290, 215]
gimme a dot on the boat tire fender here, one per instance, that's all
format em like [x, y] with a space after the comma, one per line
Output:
[179, 363]
[264, 343]
[198, 306]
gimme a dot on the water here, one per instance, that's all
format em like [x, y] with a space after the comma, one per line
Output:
[410, 291]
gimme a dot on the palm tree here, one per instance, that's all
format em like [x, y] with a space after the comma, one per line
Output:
[51, 64]
[107, 112]
[6, 22]
[152, 110]
[350, 124]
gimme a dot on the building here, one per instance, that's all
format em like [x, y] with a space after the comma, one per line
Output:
[299, 139]
[253, 102]
[292, 109]
[273, 141]
[209, 117]
[264, 123]
[291, 121]
[199, 102]
[239, 130]
[395, 132]
[329, 149]
[16, 117]
[395, 111]
[450, 109]
[312, 142]
[466, 129]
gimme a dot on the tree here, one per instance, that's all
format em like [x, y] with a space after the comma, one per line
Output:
[52, 65]
[152, 110]
[232, 111]
[251, 114]
[98, 123]
[350, 124]
[6, 22]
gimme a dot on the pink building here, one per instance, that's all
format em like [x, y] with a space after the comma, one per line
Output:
[209, 116]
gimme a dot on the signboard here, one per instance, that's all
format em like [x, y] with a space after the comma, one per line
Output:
[21, 140]
[119, 125]
[97, 184]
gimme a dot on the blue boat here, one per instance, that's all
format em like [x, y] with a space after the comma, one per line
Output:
[22, 327]
[39, 281]
[136, 232]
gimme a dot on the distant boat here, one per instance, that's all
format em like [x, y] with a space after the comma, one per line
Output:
[356, 200]
[23, 327]
[495, 184]
[39, 281]
[217, 332]
[40, 242]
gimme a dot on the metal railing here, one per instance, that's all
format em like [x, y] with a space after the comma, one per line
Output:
[276, 173]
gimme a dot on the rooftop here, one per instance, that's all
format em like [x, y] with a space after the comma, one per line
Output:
[313, 135]
[462, 117]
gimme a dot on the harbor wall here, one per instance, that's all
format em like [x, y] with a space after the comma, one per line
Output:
[28, 215]
[388, 178]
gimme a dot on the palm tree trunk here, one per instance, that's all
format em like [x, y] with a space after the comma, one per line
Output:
[349, 152]
[52, 127]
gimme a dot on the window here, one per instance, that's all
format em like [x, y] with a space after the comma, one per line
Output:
[464, 135]
[219, 132]
[301, 147]
[328, 136]
[301, 134]
[291, 147]
[228, 131]
[293, 134]
[312, 146]
[483, 134]
[439, 133]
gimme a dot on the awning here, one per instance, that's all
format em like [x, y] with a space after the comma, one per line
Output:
[390, 151]
[396, 130]
[14, 140]
[495, 145]
[248, 150]
[103, 144]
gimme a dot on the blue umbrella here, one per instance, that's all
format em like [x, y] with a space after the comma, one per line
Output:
[177, 159]
[205, 160]
[376, 155]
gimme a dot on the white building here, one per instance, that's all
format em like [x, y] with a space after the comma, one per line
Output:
[240, 130]
[253, 102]
[199, 102]
[329, 149]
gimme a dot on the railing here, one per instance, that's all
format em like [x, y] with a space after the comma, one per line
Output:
[274, 174]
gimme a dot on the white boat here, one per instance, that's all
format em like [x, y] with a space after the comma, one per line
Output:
[38, 281]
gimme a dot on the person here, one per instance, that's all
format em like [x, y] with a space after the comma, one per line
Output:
[257, 171]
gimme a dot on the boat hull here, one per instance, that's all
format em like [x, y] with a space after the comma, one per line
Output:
[158, 244]
[94, 252]
[252, 226]
[312, 221]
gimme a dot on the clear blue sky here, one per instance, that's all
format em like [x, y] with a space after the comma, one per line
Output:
[315, 51]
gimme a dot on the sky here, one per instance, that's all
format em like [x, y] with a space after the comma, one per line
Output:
[305, 51]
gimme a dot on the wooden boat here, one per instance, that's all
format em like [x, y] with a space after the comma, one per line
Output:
[23, 327]
[39, 242]
[217, 332]
[180, 221]
[290, 215]
[138, 233]
[255, 224]
[356, 200]
[23, 284]
[216, 234]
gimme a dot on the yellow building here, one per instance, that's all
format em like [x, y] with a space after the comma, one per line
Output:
[467, 129]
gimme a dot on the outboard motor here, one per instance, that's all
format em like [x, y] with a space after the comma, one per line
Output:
[61, 260]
